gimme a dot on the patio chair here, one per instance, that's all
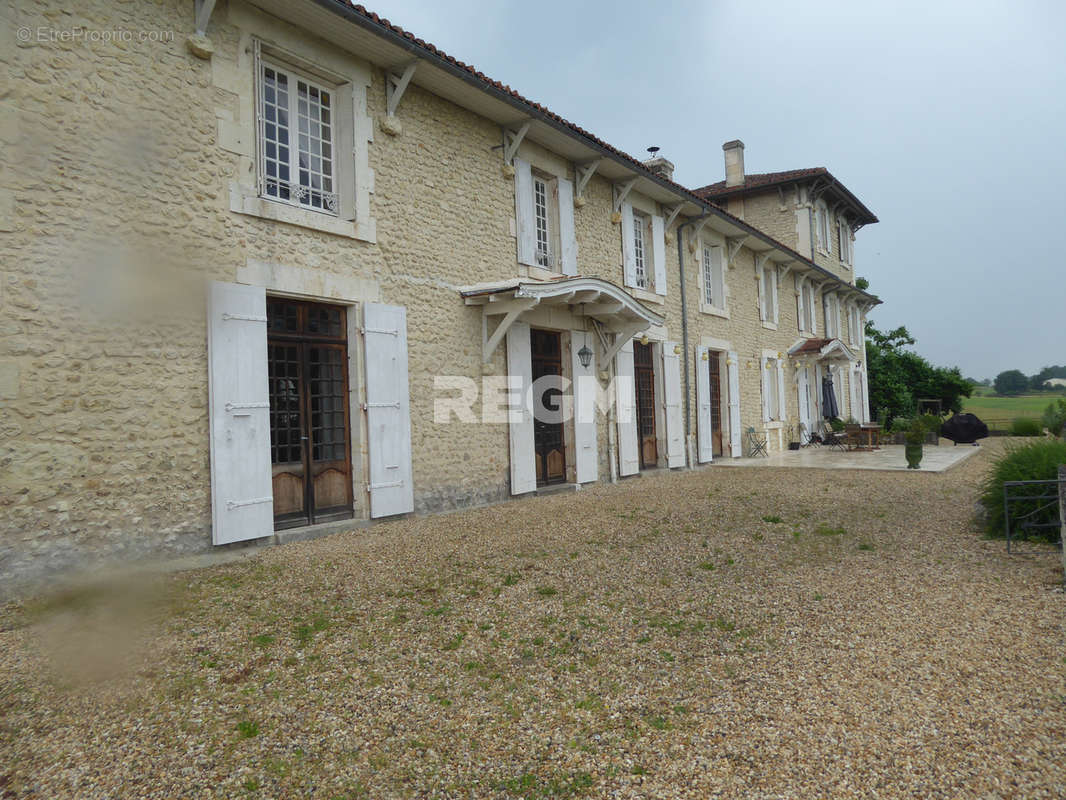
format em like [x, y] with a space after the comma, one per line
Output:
[807, 437]
[853, 437]
[756, 444]
[832, 439]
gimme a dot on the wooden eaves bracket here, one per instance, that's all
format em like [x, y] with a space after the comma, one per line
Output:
[511, 310]
[734, 246]
[512, 139]
[672, 216]
[584, 173]
[204, 9]
[621, 191]
[622, 336]
[396, 84]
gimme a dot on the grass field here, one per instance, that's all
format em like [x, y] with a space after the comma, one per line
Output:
[1026, 405]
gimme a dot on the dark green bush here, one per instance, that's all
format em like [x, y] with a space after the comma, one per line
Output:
[1035, 461]
[1026, 426]
[1055, 418]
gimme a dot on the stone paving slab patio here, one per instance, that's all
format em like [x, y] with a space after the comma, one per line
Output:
[889, 457]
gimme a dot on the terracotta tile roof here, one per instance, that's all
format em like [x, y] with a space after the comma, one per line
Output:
[715, 192]
[759, 180]
[502, 87]
[811, 346]
[385, 27]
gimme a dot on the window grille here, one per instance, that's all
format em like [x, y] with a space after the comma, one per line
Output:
[639, 252]
[296, 141]
[540, 209]
[708, 278]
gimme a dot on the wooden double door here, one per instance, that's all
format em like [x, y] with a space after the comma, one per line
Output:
[548, 436]
[714, 366]
[644, 377]
[310, 433]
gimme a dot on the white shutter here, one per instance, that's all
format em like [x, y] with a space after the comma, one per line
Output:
[733, 370]
[675, 434]
[704, 445]
[388, 410]
[763, 299]
[242, 498]
[803, 396]
[525, 225]
[782, 414]
[853, 394]
[586, 459]
[765, 376]
[567, 234]
[658, 253]
[799, 304]
[520, 368]
[626, 403]
[629, 258]
[864, 405]
[718, 268]
[773, 293]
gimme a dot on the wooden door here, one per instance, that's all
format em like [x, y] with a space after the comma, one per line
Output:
[548, 443]
[644, 377]
[310, 441]
[714, 366]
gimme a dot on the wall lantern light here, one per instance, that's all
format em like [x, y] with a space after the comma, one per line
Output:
[704, 357]
[677, 349]
[644, 340]
[584, 355]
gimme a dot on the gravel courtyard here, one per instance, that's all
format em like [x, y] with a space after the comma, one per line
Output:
[741, 632]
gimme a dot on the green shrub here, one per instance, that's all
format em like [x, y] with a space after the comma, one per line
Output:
[1035, 461]
[1055, 418]
[1026, 426]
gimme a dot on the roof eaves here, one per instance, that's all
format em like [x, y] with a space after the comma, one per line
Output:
[370, 21]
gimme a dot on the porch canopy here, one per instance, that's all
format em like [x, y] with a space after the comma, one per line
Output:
[605, 307]
[831, 351]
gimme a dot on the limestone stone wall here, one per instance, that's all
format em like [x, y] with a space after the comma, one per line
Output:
[782, 221]
[120, 164]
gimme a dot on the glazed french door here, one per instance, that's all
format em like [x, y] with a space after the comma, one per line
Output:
[548, 442]
[644, 376]
[714, 365]
[310, 439]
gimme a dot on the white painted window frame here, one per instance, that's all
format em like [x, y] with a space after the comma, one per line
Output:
[715, 274]
[297, 190]
[643, 268]
[261, 36]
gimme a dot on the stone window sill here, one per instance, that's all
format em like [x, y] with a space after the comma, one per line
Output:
[714, 311]
[646, 296]
[243, 203]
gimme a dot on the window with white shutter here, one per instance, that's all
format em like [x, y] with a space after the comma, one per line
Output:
[675, 439]
[713, 277]
[626, 402]
[733, 372]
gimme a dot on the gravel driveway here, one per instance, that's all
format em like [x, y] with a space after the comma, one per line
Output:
[721, 633]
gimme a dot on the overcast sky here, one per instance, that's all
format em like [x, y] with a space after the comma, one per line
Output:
[947, 119]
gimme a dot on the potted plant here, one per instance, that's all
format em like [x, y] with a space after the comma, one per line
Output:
[914, 431]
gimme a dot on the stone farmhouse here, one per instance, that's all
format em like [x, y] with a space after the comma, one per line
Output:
[274, 267]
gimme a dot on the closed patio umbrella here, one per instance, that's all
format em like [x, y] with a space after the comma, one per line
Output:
[830, 408]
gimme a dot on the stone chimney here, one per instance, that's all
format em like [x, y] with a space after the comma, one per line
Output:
[734, 162]
[661, 167]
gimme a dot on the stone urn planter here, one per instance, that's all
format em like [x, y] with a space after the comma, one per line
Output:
[913, 452]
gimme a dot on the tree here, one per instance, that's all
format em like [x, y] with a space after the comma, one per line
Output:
[1012, 381]
[898, 377]
[1047, 373]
